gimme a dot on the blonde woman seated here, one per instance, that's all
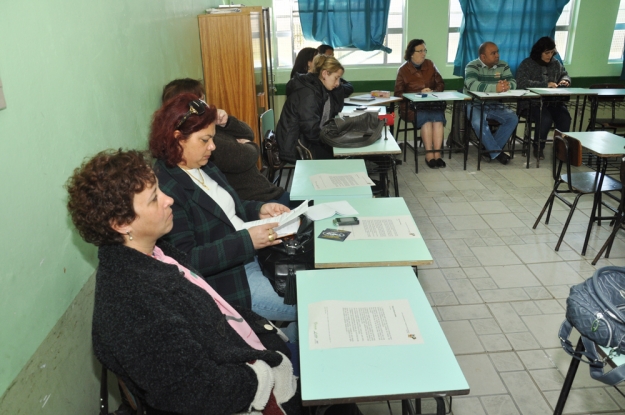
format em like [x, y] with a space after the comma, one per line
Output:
[419, 74]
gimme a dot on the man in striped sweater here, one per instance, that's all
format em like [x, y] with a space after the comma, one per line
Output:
[489, 74]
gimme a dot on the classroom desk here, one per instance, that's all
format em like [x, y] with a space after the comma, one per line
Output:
[418, 102]
[612, 97]
[367, 374]
[584, 93]
[302, 188]
[603, 145]
[386, 147]
[370, 253]
[483, 98]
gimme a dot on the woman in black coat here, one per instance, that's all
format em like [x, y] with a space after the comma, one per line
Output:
[310, 103]
[174, 341]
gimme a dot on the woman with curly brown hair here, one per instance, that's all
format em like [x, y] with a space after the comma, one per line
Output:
[174, 341]
[208, 213]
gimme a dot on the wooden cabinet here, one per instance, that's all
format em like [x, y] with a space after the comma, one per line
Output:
[237, 63]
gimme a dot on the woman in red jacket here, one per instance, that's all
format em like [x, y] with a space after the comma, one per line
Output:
[419, 74]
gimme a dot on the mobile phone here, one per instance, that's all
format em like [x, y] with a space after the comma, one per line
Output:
[352, 220]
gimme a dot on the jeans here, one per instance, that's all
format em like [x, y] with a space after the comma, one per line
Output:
[508, 120]
[552, 113]
[265, 301]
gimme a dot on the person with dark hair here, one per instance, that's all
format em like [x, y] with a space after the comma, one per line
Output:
[236, 153]
[309, 105]
[209, 216]
[418, 74]
[303, 61]
[177, 344]
[325, 50]
[541, 70]
[489, 74]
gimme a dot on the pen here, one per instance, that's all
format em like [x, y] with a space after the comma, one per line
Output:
[434, 96]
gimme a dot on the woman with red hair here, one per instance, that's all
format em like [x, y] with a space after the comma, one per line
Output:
[208, 214]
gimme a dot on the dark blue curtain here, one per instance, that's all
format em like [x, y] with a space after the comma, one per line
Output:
[358, 24]
[514, 25]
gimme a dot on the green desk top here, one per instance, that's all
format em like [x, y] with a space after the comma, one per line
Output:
[365, 374]
[373, 102]
[438, 96]
[370, 253]
[563, 91]
[302, 188]
[601, 143]
[609, 92]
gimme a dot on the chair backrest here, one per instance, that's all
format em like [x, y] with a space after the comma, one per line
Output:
[267, 122]
[567, 149]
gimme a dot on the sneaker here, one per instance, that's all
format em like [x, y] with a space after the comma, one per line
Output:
[541, 154]
[503, 158]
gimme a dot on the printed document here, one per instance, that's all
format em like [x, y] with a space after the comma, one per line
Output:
[340, 181]
[288, 223]
[333, 324]
[379, 227]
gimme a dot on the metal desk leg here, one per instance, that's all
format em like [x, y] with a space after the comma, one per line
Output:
[596, 206]
[466, 134]
[440, 405]
[568, 381]
[394, 170]
[406, 407]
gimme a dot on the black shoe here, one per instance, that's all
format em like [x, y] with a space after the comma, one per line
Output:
[441, 163]
[503, 158]
[541, 154]
[431, 163]
[536, 155]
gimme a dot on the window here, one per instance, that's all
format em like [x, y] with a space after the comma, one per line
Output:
[290, 40]
[562, 29]
[616, 48]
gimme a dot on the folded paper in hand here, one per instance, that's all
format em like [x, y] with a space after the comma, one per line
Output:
[288, 223]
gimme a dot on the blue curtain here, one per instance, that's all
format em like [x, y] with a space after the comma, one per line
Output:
[358, 24]
[514, 25]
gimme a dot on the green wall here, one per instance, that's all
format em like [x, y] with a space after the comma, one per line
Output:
[78, 77]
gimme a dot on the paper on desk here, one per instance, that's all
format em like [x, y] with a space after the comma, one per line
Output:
[333, 324]
[512, 92]
[326, 181]
[326, 210]
[378, 227]
[288, 223]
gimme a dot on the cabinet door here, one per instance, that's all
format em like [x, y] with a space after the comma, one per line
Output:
[228, 63]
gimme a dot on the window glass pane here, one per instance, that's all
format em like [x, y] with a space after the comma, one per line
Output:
[562, 38]
[452, 46]
[455, 13]
[616, 49]
[565, 17]
[395, 42]
[620, 17]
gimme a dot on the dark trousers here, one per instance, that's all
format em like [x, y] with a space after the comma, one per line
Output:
[552, 113]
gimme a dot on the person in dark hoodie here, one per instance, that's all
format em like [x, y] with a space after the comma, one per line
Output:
[310, 103]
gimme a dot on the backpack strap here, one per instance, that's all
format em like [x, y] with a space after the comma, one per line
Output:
[590, 356]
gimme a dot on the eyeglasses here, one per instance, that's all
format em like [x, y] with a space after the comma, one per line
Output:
[421, 51]
[197, 107]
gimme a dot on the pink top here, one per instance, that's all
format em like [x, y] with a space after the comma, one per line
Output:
[232, 316]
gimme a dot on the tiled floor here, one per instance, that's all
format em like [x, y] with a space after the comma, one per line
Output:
[499, 288]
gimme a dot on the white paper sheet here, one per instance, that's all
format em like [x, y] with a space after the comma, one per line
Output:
[288, 223]
[383, 227]
[340, 181]
[334, 324]
[326, 210]
[512, 92]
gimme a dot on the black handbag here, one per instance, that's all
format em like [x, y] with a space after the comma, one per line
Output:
[281, 262]
[352, 132]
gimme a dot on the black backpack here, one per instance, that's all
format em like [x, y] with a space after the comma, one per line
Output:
[352, 132]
